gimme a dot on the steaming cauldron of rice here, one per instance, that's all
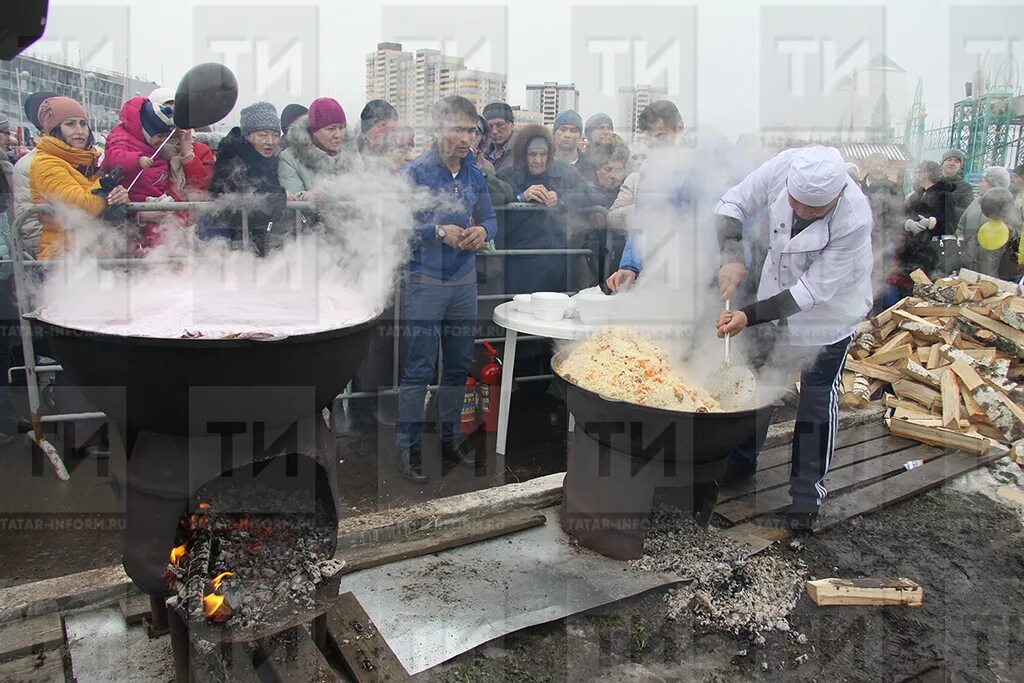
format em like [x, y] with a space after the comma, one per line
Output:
[623, 452]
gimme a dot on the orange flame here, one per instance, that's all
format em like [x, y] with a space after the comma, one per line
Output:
[220, 577]
[212, 603]
[214, 606]
[176, 553]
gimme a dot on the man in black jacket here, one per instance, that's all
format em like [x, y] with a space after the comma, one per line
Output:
[963, 193]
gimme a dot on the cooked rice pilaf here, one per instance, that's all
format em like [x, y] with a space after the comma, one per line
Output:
[626, 366]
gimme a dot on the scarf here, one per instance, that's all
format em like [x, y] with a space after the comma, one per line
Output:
[85, 161]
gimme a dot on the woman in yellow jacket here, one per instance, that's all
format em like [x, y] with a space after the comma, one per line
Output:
[66, 170]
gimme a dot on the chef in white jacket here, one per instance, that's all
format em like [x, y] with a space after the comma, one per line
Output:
[815, 286]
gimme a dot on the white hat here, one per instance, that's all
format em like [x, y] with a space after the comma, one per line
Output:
[816, 175]
[158, 97]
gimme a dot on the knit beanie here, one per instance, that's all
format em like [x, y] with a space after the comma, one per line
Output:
[56, 110]
[596, 120]
[290, 113]
[155, 123]
[954, 153]
[160, 97]
[567, 118]
[375, 112]
[324, 112]
[499, 110]
[32, 103]
[259, 116]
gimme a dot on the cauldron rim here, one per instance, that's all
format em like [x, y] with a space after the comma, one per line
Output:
[556, 360]
[200, 342]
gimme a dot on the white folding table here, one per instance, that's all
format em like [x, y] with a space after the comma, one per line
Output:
[516, 322]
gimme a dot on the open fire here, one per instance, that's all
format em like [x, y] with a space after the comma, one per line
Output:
[249, 552]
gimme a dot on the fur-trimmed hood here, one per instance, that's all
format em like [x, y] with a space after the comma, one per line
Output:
[300, 146]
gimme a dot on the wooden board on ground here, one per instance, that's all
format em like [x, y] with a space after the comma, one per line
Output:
[425, 543]
[366, 655]
[781, 455]
[292, 657]
[861, 474]
[32, 634]
[767, 478]
[134, 608]
[865, 592]
[904, 485]
[944, 438]
[47, 667]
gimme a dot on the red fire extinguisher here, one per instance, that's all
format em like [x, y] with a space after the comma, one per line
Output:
[470, 404]
[490, 383]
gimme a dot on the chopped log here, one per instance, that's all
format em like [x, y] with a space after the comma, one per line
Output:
[1017, 452]
[974, 411]
[891, 355]
[941, 293]
[896, 341]
[919, 277]
[914, 371]
[937, 436]
[1007, 338]
[904, 316]
[1012, 318]
[919, 393]
[926, 311]
[1002, 413]
[847, 382]
[198, 572]
[873, 371]
[896, 403]
[962, 293]
[865, 592]
[934, 357]
[885, 332]
[983, 369]
[950, 400]
[922, 353]
[975, 277]
[984, 336]
[923, 331]
[1014, 303]
[988, 289]
[883, 318]
[981, 355]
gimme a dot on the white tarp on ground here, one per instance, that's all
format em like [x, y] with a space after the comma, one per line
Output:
[436, 607]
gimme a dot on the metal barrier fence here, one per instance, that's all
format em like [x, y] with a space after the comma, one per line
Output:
[23, 263]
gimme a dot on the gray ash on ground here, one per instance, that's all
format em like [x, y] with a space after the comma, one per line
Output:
[276, 544]
[725, 589]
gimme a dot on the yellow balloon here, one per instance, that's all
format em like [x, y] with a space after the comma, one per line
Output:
[993, 235]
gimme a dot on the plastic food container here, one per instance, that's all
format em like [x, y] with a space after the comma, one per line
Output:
[594, 307]
[549, 306]
[523, 303]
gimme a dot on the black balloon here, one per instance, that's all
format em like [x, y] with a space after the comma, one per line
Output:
[205, 95]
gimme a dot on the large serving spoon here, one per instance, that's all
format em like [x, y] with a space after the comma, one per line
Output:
[732, 385]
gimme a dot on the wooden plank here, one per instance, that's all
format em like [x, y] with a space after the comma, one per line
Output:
[936, 436]
[927, 311]
[904, 485]
[364, 652]
[47, 667]
[865, 592]
[861, 474]
[453, 536]
[897, 340]
[950, 401]
[292, 657]
[874, 371]
[134, 608]
[31, 634]
[883, 357]
[781, 455]
[771, 477]
[918, 393]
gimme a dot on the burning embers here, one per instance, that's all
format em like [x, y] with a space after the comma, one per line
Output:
[250, 567]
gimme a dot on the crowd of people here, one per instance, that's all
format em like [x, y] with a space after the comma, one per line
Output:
[583, 182]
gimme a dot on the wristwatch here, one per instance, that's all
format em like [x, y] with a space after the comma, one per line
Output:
[439, 233]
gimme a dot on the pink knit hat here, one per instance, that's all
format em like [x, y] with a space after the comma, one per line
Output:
[56, 110]
[325, 112]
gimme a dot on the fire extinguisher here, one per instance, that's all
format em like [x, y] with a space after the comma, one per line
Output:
[490, 381]
[470, 404]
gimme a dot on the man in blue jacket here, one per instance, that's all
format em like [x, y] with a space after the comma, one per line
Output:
[440, 295]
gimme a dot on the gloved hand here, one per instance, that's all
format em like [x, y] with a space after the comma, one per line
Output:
[920, 225]
[115, 213]
[108, 181]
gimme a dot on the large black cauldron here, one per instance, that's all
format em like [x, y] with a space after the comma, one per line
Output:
[622, 453]
[191, 410]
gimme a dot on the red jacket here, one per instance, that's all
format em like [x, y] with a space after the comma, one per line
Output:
[125, 145]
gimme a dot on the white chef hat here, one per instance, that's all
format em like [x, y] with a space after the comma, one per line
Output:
[816, 175]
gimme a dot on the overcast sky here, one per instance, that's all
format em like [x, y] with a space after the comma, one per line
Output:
[732, 65]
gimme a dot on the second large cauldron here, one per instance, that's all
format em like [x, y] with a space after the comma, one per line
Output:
[621, 454]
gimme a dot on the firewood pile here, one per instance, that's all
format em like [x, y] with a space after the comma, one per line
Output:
[948, 362]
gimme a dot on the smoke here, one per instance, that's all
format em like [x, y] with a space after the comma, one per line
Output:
[676, 300]
[336, 269]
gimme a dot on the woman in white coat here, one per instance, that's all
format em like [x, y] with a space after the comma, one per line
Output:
[815, 287]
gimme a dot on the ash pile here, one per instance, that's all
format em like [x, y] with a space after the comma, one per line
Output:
[251, 555]
[725, 589]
